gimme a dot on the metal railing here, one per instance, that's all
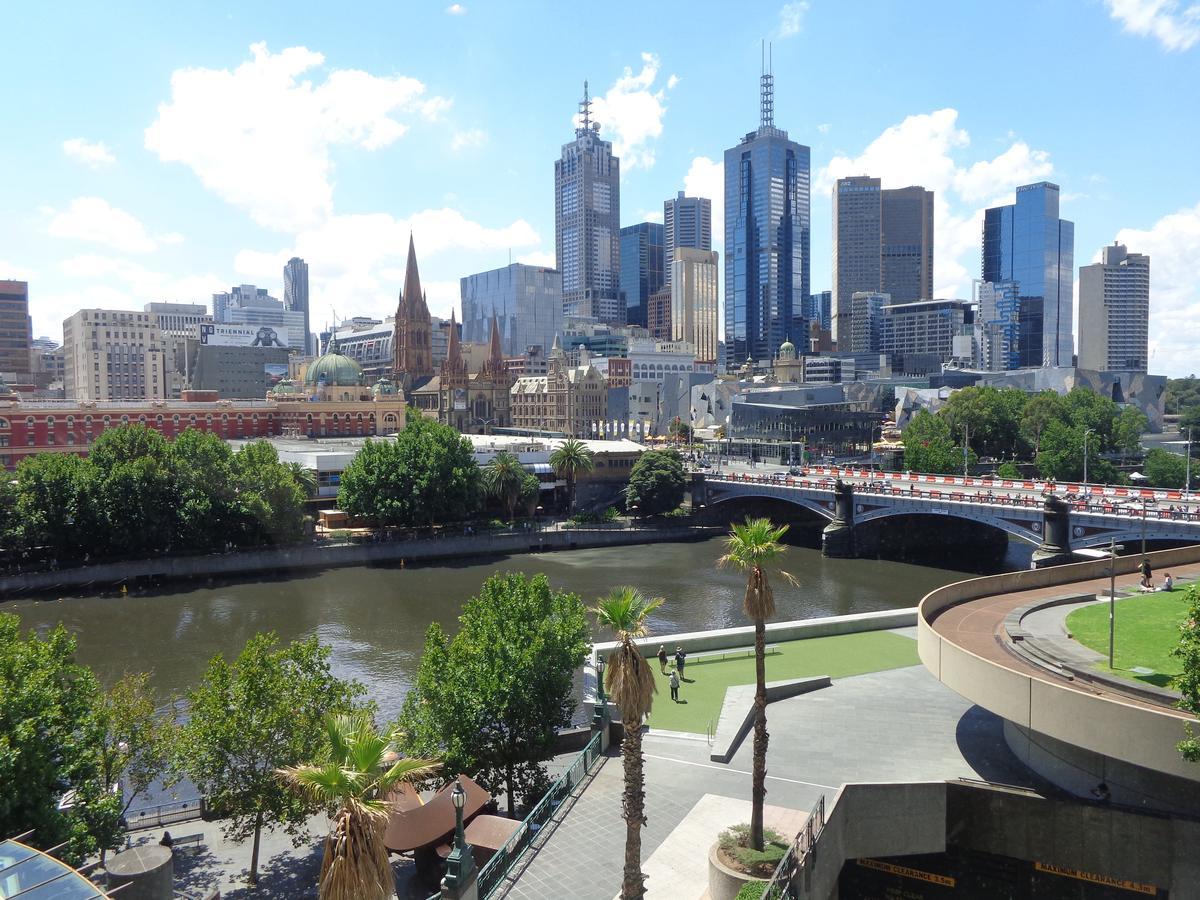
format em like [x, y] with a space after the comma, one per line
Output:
[782, 885]
[164, 814]
[492, 875]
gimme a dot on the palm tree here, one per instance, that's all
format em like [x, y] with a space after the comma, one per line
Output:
[754, 548]
[630, 682]
[306, 479]
[503, 478]
[354, 775]
[569, 459]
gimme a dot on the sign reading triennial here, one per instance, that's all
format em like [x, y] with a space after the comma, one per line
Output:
[243, 335]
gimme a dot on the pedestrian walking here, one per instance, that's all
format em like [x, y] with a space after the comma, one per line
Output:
[1146, 572]
[662, 658]
[675, 686]
[680, 660]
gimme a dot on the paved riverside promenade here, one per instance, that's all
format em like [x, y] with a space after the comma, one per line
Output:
[896, 725]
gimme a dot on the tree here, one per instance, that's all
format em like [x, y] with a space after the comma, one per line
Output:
[503, 478]
[353, 773]
[488, 700]
[426, 475]
[629, 679]
[1087, 409]
[272, 502]
[248, 718]
[1165, 469]
[135, 490]
[1127, 430]
[1190, 418]
[680, 430]
[1188, 682]
[754, 548]
[305, 478]
[1061, 458]
[531, 489]
[657, 483]
[1008, 471]
[570, 459]
[55, 504]
[991, 415]
[207, 512]
[928, 446]
[1181, 394]
[49, 737]
[1040, 410]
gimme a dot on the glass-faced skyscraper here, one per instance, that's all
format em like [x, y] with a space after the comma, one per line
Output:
[767, 219]
[587, 222]
[642, 271]
[295, 294]
[1028, 245]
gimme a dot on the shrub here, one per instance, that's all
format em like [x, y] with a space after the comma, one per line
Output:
[752, 890]
[735, 844]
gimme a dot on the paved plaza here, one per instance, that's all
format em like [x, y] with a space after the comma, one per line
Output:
[898, 725]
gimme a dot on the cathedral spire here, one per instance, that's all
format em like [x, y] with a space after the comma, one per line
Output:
[412, 282]
[453, 349]
[496, 350]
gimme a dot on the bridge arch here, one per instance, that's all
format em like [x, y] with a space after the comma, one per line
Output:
[1030, 533]
[824, 509]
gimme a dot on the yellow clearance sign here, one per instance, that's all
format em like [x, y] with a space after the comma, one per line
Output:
[907, 872]
[1091, 878]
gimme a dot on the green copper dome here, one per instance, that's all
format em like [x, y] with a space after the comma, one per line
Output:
[787, 350]
[333, 370]
[384, 387]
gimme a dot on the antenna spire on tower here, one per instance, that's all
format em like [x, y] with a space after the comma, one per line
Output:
[585, 111]
[766, 102]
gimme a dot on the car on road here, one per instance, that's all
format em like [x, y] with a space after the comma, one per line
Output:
[793, 470]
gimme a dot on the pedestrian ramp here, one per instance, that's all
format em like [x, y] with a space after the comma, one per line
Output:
[737, 711]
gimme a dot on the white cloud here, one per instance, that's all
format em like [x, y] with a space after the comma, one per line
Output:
[12, 272]
[791, 18]
[651, 215]
[456, 9]
[924, 150]
[93, 154]
[631, 113]
[824, 127]
[1176, 27]
[539, 258]
[706, 178]
[472, 137]
[259, 136]
[1173, 245]
[93, 219]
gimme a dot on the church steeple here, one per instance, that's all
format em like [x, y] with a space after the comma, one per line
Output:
[413, 357]
[454, 368]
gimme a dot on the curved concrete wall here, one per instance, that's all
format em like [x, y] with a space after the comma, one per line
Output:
[1140, 735]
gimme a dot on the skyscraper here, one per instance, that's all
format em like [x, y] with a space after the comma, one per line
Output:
[1114, 311]
[525, 300]
[587, 222]
[295, 295]
[16, 329]
[687, 222]
[641, 268]
[883, 242]
[767, 220]
[694, 301]
[1028, 244]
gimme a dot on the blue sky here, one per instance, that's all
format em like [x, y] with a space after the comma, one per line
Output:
[166, 151]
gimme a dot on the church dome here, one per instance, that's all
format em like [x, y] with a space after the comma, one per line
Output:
[286, 386]
[332, 369]
[787, 350]
[384, 387]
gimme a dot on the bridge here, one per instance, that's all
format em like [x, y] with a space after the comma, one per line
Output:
[1057, 518]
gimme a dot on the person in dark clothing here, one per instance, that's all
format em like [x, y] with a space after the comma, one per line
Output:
[1145, 569]
[680, 661]
[662, 658]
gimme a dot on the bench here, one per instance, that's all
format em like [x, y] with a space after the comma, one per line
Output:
[731, 651]
[190, 842]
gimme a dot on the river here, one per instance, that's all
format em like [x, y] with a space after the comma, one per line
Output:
[375, 618]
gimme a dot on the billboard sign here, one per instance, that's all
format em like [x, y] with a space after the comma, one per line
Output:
[243, 335]
[460, 398]
[275, 372]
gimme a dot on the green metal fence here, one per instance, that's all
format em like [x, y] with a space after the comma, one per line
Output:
[782, 885]
[492, 875]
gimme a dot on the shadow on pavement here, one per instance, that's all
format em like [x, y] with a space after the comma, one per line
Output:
[980, 739]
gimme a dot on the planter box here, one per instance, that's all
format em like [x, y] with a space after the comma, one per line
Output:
[723, 882]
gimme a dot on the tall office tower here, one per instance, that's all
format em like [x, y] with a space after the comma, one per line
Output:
[16, 329]
[906, 272]
[1114, 311]
[768, 183]
[587, 222]
[242, 295]
[658, 314]
[641, 268]
[295, 294]
[820, 309]
[413, 364]
[178, 323]
[687, 222]
[113, 355]
[882, 241]
[1028, 244]
[694, 301]
[866, 322]
[997, 326]
[526, 301]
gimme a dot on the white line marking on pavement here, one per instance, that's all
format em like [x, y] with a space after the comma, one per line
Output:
[688, 762]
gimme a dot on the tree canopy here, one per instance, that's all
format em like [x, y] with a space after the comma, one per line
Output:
[488, 700]
[1188, 682]
[657, 483]
[425, 476]
[929, 447]
[1165, 469]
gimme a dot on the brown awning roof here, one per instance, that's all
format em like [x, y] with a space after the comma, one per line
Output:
[430, 823]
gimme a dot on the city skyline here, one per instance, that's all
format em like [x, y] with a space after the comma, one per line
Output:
[134, 191]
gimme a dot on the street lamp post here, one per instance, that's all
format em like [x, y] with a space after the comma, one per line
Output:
[600, 714]
[1112, 598]
[966, 446]
[1144, 501]
[1085, 455]
[460, 863]
[1187, 478]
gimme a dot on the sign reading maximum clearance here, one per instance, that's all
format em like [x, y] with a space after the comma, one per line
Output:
[907, 872]
[1135, 886]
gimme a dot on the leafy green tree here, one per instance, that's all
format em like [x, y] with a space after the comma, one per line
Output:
[426, 475]
[680, 430]
[1165, 469]
[1061, 458]
[271, 500]
[630, 682]
[56, 498]
[928, 446]
[353, 774]
[1040, 410]
[1087, 409]
[264, 711]
[207, 510]
[1181, 394]
[992, 417]
[49, 737]
[135, 489]
[503, 478]
[657, 483]
[305, 478]
[570, 459]
[531, 490]
[1188, 682]
[1128, 427]
[488, 701]
[1190, 418]
[1008, 470]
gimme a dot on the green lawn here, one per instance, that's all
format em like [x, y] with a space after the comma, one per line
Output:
[839, 656]
[1147, 629]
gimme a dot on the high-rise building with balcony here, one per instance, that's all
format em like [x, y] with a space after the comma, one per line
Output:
[1114, 311]
[1026, 243]
[767, 231]
[641, 268]
[587, 222]
[687, 222]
